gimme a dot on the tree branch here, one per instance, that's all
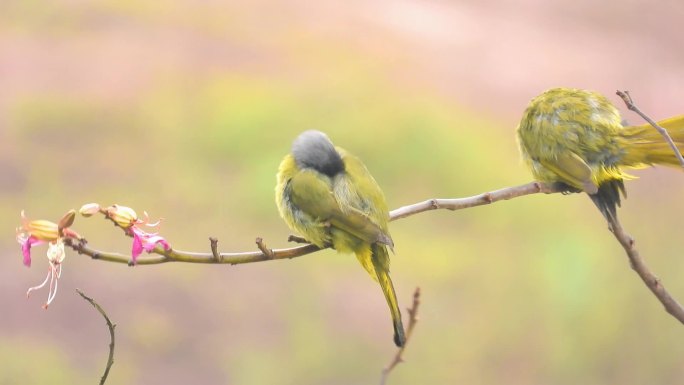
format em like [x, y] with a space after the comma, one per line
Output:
[171, 255]
[477, 200]
[413, 319]
[265, 254]
[111, 326]
[627, 98]
[639, 266]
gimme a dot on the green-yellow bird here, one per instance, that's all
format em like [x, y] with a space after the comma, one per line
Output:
[576, 138]
[328, 196]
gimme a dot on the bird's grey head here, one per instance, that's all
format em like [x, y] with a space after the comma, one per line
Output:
[313, 149]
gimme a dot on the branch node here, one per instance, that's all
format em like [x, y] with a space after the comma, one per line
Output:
[627, 99]
[487, 197]
[262, 246]
[214, 249]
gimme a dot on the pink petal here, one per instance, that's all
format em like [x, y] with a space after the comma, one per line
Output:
[137, 246]
[145, 241]
[26, 248]
[149, 243]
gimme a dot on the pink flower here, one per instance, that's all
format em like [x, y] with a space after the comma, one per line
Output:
[127, 219]
[36, 232]
[39, 231]
[145, 241]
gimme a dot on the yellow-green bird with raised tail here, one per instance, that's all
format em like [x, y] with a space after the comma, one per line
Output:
[327, 195]
[575, 138]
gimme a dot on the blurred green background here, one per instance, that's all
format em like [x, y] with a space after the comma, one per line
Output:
[185, 110]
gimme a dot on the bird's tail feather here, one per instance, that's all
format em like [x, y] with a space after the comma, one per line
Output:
[607, 199]
[381, 265]
[647, 146]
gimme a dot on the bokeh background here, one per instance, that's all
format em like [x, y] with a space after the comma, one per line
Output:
[184, 109]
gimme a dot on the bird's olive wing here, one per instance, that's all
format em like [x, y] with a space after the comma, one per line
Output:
[360, 225]
[572, 170]
[312, 194]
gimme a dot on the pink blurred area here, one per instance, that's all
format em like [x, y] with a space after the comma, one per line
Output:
[185, 109]
[491, 55]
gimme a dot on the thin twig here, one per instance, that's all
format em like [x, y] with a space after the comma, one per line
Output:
[413, 319]
[639, 266]
[262, 247]
[627, 98]
[296, 239]
[111, 326]
[213, 242]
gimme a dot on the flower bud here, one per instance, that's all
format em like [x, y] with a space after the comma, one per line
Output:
[66, 221]
[89, 209]
[43, 230]
[122, 215]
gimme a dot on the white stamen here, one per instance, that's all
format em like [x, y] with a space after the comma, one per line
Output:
[28, 292]
[52, 294]
[52, 286]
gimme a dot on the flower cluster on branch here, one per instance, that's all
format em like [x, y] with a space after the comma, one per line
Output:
[56, 235]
